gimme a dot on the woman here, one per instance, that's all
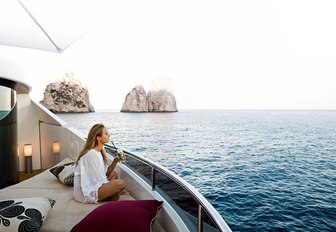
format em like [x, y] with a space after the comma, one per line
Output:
[94, 180]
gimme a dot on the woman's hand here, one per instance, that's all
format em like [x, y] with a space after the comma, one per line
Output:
[116, 159]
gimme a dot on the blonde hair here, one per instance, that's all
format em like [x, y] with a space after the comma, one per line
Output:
[91, 141]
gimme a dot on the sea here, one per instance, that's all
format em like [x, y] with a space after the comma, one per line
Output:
[263, 170]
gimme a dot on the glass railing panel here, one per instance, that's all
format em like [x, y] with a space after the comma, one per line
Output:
[208, 224]
[140, 167]
[179, 198]
[136, 165]
[184, 202]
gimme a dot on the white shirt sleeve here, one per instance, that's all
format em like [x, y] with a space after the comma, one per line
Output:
[92, 175]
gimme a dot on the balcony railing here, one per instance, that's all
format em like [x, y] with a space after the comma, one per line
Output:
[196, 212]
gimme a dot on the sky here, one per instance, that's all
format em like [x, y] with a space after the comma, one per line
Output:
[260, 54]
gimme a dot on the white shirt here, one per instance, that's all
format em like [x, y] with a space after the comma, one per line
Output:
[90, 175]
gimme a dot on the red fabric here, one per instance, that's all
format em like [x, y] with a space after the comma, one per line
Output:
[126, 216]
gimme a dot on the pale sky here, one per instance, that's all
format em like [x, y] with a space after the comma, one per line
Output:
[217, 54]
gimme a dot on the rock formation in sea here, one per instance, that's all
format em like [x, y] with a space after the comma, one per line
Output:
[155, 101]
[136, 100]
[161, 101]
[67, 95]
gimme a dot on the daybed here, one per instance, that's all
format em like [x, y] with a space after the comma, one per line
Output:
[66, 212]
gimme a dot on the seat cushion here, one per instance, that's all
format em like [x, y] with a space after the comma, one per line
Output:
[24, 214]
[126, 216]
[64, 172]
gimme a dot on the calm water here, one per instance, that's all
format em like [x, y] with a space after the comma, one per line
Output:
[262, 170]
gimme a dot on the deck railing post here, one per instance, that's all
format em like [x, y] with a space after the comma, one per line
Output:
[153, 178]
[200, 219]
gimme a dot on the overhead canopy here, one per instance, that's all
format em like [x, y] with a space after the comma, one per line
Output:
[50, 25]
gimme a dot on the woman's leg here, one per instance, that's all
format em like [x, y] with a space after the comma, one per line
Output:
[110, 189]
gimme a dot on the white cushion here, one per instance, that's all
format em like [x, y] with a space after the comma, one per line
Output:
[24, 214]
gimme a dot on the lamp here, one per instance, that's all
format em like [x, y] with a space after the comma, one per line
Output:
[56, 149]
[28, 152]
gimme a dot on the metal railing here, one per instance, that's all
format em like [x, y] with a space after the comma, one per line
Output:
[196, 212]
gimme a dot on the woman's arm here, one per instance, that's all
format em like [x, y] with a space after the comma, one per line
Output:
[112, 166]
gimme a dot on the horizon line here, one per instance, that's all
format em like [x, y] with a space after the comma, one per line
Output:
[233, 109]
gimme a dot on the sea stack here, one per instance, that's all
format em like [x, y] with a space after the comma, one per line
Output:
[136, 100]
[161, 100]
[67, 95]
